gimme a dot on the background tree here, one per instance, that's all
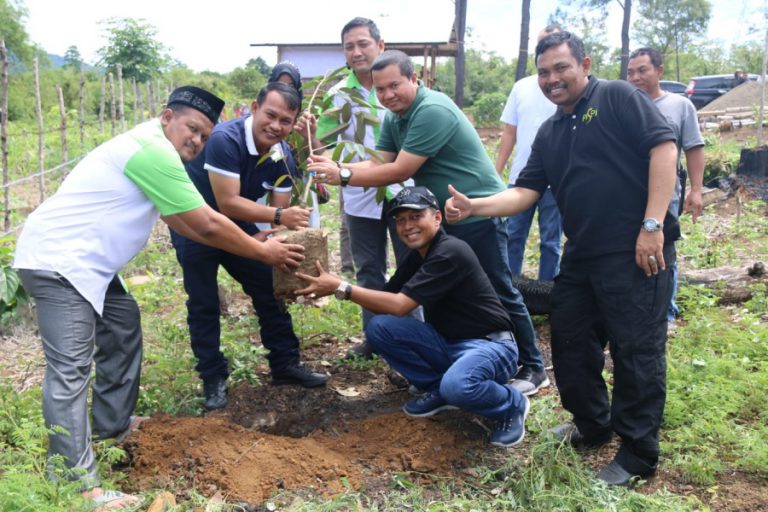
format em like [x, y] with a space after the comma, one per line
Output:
[259, 65]
[525, 26]
[671, 25]
[72, 58]
[12, 14]
[589, 25]
[461, 26]
[597, 11]
[132, 43]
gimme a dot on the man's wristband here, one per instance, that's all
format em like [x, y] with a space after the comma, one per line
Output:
[278, 214]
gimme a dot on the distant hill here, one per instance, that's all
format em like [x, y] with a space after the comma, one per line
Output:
[57, 61]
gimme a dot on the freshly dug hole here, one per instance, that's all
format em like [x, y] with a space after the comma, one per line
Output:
[315, 242]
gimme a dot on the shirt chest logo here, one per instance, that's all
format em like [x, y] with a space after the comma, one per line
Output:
[589, 115]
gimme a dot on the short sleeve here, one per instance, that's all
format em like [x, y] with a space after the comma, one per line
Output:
[160, 174]
[386, 141]
[509, 115]
[691, 133]
[533, 176]
[222, 155]
[433, 280]
[640, 117]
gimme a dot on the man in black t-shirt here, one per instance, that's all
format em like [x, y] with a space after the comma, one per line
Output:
[464, 353]
[610, 158]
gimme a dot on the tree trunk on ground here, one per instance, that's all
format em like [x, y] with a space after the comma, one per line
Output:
[732, 285]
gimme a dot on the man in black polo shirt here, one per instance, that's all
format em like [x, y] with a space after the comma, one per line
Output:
[610, 159]
[464, 353]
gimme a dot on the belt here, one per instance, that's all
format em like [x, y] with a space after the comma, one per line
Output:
[500, 335]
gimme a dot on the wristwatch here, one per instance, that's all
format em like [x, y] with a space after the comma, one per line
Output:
[344, 176]
[652, 225]
[278, 214]
[344, 291]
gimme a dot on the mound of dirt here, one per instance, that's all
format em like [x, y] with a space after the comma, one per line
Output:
[351, 433]
[746, 95]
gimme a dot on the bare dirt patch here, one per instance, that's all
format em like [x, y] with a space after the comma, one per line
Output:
[349, 434]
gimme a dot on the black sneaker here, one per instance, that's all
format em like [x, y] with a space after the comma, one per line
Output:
[215, 391]
[510, 431]
[428, 404]
[529, 381]
[568, 433]
[299, 374]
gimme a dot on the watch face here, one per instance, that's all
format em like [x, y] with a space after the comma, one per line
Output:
[651, 225]
[345, 173]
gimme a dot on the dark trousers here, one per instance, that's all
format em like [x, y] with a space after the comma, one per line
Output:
[200, 264]
[488, 239]
[609, 300]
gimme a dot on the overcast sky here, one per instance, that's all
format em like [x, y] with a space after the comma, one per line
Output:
[217, 35]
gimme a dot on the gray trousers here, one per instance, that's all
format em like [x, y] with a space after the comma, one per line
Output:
[74, 336]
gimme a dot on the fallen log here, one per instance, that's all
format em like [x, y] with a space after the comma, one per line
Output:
[731, 284]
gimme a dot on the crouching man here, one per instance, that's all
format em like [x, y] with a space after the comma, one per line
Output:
[464, 353]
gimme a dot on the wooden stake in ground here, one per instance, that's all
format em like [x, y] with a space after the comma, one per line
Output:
[112, 106]
[39, 112]
[4, 133]
[81, 109]
[120, 102]
[102, 102]
[63, 129]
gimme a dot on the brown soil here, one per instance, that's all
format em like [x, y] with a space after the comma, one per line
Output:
[269, 438]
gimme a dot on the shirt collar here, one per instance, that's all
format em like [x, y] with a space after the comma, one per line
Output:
[250, 143]
[591, 84]
[434, 242]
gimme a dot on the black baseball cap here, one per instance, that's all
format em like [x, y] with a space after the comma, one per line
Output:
[413, 198]
[199, 99]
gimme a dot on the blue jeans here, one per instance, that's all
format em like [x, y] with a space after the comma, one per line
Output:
[470, 374]
[550, 232]
[200, 264]
[488, 238]
[673, 310]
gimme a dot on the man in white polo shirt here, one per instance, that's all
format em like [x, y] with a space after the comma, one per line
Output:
[72, 248]
[526, 109]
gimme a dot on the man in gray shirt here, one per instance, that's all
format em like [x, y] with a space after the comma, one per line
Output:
[645, 69]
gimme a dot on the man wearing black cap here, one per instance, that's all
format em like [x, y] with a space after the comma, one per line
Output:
[464, 353]
[232, 174]
[69, 255]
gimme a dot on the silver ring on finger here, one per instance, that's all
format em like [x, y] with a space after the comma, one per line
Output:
[652, 260]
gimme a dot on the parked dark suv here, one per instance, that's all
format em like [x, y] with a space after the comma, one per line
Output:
[704, 89]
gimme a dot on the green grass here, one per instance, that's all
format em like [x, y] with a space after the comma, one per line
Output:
[714, 424]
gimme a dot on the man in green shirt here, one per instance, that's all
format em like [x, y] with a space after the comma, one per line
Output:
[425, 136]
